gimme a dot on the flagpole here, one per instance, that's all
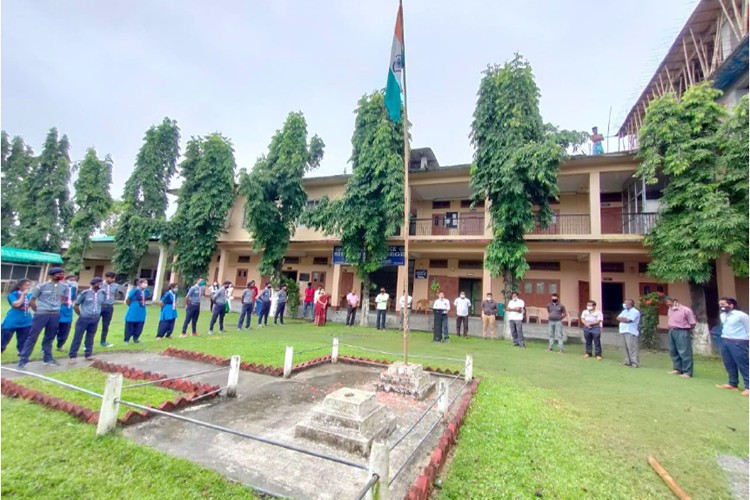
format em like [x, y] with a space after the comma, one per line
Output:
[407, 203]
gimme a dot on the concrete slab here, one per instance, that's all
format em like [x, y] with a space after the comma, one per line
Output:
[408, 379]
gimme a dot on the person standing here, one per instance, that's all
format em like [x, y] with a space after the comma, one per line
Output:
[556, 313]
[489, 311]
[321, 308]
[381, 307]
[281, 299]
[230, 296]
[629, 319]
[265, 305]
[515, 318]
[214, 288]
[440, 308]
[18, 318]
[109, 289]
[404, 302]
[193, 307]
[352, 303]
[248, 298]
[591, 321]
[46, 299]
[462, 305]
[219, 298]
[734, 343]
[88, 307]
[681, 321]
[168, 314]
[135, 317]
[596, 141]
[309, 301]
[66, 312]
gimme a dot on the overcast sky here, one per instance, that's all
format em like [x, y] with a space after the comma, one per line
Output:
[102, 72]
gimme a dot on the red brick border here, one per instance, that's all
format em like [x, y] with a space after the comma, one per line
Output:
[14, 390]
[180, 385]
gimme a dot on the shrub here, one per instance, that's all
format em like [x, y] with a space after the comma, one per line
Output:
[649, 307]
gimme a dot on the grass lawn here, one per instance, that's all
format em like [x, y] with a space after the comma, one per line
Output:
[543, 423]
[93, 380]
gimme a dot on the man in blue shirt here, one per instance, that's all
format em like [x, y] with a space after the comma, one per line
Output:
[265, 304]
[66, 312]
[88, 307]
[193, 307]
[18, 317]
[734, 343]
[108, 291]
[629, 320]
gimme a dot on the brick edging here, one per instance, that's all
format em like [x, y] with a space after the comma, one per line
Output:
[422, 486]
[180, 384]
[14, 390]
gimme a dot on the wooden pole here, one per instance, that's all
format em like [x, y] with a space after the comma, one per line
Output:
[404, 287]
[664, 475]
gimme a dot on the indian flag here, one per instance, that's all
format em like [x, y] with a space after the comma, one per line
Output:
[394, 85]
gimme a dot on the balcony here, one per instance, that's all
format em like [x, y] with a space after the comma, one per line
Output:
[579, 224]
[471, 224]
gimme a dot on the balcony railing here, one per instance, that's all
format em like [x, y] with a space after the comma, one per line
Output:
[630, 223]
[439, 225]
[566, 224]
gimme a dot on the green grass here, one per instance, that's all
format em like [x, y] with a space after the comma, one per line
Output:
[93, 380]
[559, 425]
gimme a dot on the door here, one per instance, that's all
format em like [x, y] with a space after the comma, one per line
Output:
[611, 220]
[613, 295]
[536, 292]
[318, 279]
[584, 294]
[449, 286]
[240, 281]
[471, 223]
[99, 271]
[438, 225]
[473, 289]
[346, 283]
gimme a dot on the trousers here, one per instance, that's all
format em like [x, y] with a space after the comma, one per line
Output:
[217, 312]
[63, 332]
[41, 321]
[681, 350]
[380, 319]
[556, 333]
[166, 327]
[593, 335]
[192, 312]
[246, 315]
[516, 332]
[133, 330]
[265, 308]
[630, 342]
[21, 334]
[734, 353]
[279, 315]
[351, 312]
[488, 325]
[86, 326]
[107, 311]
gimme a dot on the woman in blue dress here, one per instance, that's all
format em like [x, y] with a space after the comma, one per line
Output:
[135, 317]
[18, 318]
[168, 313]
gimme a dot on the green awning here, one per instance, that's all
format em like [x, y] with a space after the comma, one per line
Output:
[23, 256]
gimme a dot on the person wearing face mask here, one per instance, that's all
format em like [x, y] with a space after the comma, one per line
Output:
[18, 317]
[66, 312]
[681, 321]
[88, 307]
[109, 291]
[168, 314]
[440, 308]
[135, 317]
[193, 307]
[220, 298]
[592, 320]
[214, 288]
[556, 313]
[734, 343]
[515, 319]
[462, 305]
[265, 297]
[489, 311]
[629, 319]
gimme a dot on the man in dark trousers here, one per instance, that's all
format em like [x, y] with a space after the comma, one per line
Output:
[66, 312]
[220, 301]
[88, 308]
[193, 307]
[248, 299]
[309, 303]
[281, 299]
[109, 291]
[441, 307]
[265, 305]
[46, 299]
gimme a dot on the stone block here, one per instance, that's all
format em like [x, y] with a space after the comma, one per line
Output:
[408, 379]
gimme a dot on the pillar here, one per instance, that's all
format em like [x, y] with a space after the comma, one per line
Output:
[396, 301]
[161, 267]
[595, 278]
[336, 286]
[110, 404]
[595, 205]
[222, 265]
[725, 282]
[487, 280]
[234, 376]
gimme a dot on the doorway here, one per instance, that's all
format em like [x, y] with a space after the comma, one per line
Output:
[385, 277]
[613, 294]
[473, 289]
[290, 275]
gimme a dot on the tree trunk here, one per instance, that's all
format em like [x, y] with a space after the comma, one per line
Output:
[364, 317]
[701, 337]
[508, 282]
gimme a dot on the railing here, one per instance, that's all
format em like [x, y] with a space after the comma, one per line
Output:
[565, 224]
[469, 224]
[631, 223]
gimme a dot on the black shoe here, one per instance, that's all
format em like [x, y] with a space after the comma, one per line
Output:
[21, 366]
[136, 341]
[51, 362]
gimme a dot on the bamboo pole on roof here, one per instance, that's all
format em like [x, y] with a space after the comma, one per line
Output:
[729, 19]
[701, 58]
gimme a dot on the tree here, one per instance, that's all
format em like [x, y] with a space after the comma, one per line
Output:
[92, 201]
[205, 197]
[516, 161]
[703, 217]
[274, 194]
[372, 208]
[17, 160]
[145, 195]
[109, 225]
[44, 209]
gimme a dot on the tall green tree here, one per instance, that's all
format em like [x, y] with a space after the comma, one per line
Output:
[516, 161]
[92, 204]
[704, 212]
[145, 195]
[17, 161]
[44, 209]
[110, 223]
[372, 208]
[205, 197]
[274, 194]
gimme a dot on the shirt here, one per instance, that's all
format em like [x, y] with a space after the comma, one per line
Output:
[50, 296]
[109, 292]
[634, 316]
[381, 301]
[441, 305]
[555, 311]
[169, 309]
[515, 303]
[681, 317]
[220, 296]
[401, 301]
[282, 297]
[265, 295]
[734, 325]
[592, 317]
[89, 303]
[248, 296]
[309, 294]
[462, 306]
[193, 296]
[352, 299]
[489, 307]
[18, 317]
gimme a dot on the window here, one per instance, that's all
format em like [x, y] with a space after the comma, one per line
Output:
[291, 260]
[311, 204]
[318, 278]
[243, 259]
[610, 197]
[19, 271]
[528, 287]
[544, 266]
[613, 267]
[320, 261]
[304, 277]
[441, 204]
[218, 258]
[451, 219]
[643, 267]
[146, 274]
[467, 204]
[470, 264]
[439, 263]
[6, 271]
[88, 268]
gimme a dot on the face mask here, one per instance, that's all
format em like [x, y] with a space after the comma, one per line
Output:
[554, 300]
[675, 307]
[624, 306]
[724, 309]
[589, 308]
[463, 296]
[202, 283]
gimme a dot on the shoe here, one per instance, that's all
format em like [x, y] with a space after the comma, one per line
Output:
[222, 331]
[562, 351]
[136, 341]
[210, 332]
[587, 355]
[598, 358]
[196, 334]
[626, 364]
[686, 375]
[159, 338]
[72, 361]
[51, 362]
[674, 372]
[21, 366]
[446, 340]
[727, 387]
[106, 344]
[549, 349]
[60, 349]
[127, 342]
[745, 392]
[239, 329]
[634, 365]
[184, 335]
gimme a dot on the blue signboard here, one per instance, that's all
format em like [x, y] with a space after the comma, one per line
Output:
[420, 274]
[395, 256]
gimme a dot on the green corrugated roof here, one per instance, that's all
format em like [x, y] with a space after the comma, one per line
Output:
[21, 255]
[100, 239]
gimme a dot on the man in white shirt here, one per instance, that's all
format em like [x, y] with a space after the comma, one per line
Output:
[404, 299]
[515, 318]
[591, 321]
[462, 305]
[440, 309]
[629, 319]
[381, 305]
